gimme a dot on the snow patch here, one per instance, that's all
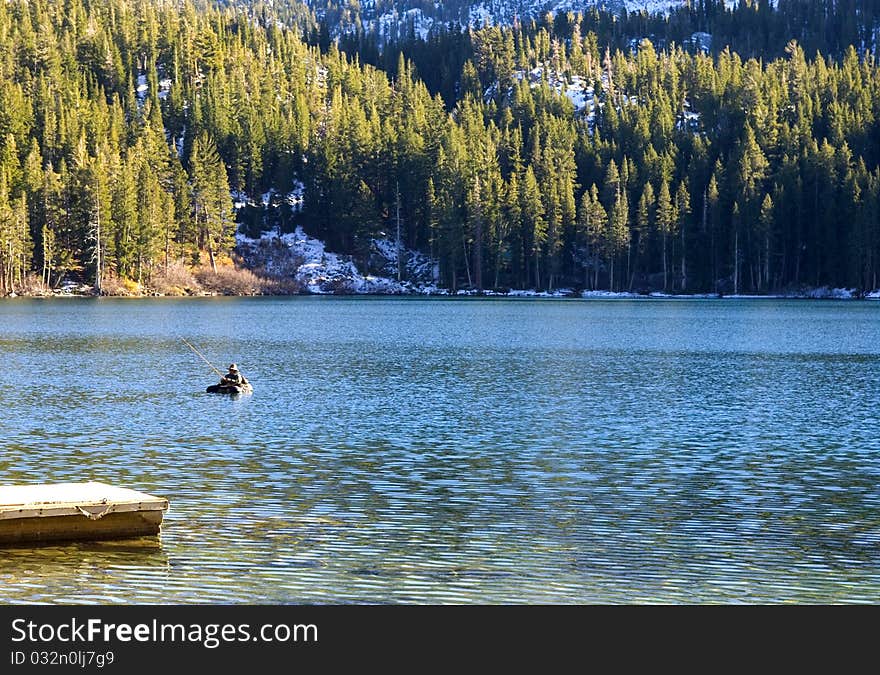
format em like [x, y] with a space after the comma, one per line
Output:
[164, 88]
[609, 294]
[324, 272]
[826, 293]
[532, 293]
[142, 87]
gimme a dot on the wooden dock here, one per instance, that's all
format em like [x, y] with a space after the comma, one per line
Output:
[72, 511]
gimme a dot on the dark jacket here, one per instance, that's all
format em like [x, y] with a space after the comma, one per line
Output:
[233, 377]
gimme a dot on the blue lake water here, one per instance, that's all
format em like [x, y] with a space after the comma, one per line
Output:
[403, 450]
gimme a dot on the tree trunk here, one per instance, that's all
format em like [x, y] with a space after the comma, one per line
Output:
[467, 264]
[683, 261]
[665, 270]
[736, 262]
[705, 209]
[399, 248]
[478, 255]
[453, 275]
[714, 260]
[98, 261]
[211, 253]
[587, 273]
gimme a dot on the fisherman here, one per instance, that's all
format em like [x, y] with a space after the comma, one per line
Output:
[234, 377]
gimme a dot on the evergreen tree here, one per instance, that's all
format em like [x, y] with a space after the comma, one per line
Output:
[211, 203]
[682, 211]
[644, 221]
[534, 225]
[595, 224]
[665, 221]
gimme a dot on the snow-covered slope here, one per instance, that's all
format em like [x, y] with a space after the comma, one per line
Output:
[298, 256]
[398, 18]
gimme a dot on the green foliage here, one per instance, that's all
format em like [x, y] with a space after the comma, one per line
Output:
[129, 129]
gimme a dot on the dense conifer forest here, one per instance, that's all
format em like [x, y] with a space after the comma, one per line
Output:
[582, 150]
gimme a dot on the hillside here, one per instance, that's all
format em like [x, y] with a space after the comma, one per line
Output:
[138, 140]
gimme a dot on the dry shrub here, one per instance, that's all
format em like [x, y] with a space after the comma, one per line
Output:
[120, 287]
[228, 280]
[32, 285]
[280, 286]
[177, 280]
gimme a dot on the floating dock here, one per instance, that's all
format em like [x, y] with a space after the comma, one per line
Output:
[72, 511]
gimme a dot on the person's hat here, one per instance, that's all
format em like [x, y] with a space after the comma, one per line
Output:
[233, 367]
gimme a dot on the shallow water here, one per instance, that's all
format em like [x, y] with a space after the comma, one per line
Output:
[402, 450]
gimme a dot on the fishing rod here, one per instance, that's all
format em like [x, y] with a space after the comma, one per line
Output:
[202, 357]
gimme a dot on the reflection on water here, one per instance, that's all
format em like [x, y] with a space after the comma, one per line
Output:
[79, 572]
[444, 451]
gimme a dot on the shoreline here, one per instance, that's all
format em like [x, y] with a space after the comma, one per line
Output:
[435, 292]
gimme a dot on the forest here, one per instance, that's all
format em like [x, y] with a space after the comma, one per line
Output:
[137, 136]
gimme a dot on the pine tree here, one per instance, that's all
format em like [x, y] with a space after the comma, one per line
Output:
[282, 107]
[665, 221]
[682, 211]
[618, 238]
[534, 224]
[125, 215]
[510, 222]
[711, 214]
[644, 221]
[476, 225]
[595, 223]
[7, 239]
[211, 202]
[766, 227]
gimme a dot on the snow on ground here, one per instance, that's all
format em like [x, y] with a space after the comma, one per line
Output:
[489, 12]
[823, 293]
[609, 294]
[832, 293]
[652, 6]
[296, 197]
[686, 296]
[397, 23]
[178, 142]
[142, 87]
[68, 287]
[688, 120]
[417, 267]
[306, 259]
[702, 41]
[583, 98]
[239, 199]
[580, 96]
[531, 293]
[164, 88]
[480, 16]
[654, 294]
[323, 272]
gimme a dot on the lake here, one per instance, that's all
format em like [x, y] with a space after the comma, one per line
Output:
[407, 450]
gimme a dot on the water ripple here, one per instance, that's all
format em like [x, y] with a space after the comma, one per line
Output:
[433, 451]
